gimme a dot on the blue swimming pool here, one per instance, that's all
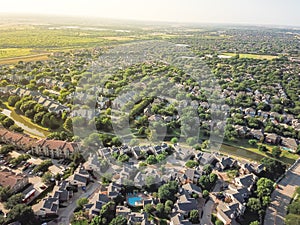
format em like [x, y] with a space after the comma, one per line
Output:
[133, 200]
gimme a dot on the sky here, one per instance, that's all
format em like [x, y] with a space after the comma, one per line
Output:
[268, 12]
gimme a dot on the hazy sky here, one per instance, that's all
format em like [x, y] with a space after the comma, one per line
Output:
[275, 12]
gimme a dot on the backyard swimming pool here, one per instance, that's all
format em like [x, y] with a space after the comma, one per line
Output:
[134, 200]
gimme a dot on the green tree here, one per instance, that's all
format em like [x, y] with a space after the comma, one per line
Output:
[160, 209]
[194, 216]
[191, 164]
[151, 160]
[174, 140]
[149, 208]
[294, 207]
[81, 202]
[119, 220]
[254, 204]
[252, 142]
[255, 223]
[46, 178]
[205, 193]
[21, 213]
[207, 169]
[264, 187]
[168, 191]
[262, 148]
[276, 152]
[5, 193]
[12, 100]
[68, 125]
[14, 200]
[292, 219]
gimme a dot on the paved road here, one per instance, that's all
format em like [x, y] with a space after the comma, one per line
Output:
[210, 206]
[282, 196]
[65, 214]
[207, 211]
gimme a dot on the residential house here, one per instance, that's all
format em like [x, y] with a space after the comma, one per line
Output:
[122, 211]
[113, 190]
[192, 189]
[289, 144]
[80, 178]
[182, 153]
[257, 134]
[62, 191]
[178, 219]
[185, 204]
[272, 138]
[241, 130]
[226, 163]
[250, 112]
[229, 210]
[50, 207]
[247, 168]
[190, 176]
[96, 206]
[206, 158]
[12, 180]
[246, 181]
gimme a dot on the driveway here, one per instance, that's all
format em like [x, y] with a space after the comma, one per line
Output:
[282, 196]
[207, 211]
[65, 214]
[210, 205]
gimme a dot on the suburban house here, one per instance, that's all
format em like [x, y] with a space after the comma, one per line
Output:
[289, 144]
[178, 219]
[229, 210]
[50, 207]
[185, 204]
[205, 158]
[257, 134]
[95, 207]
[247, 181]
[80, 178]
[226, 163]
[272, 138]
[250, 112]
[61, 191]
[192, 189]
[122, 211]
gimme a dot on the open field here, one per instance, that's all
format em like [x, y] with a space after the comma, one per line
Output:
[28, 58]
[251, 56]
[13, 52]
[245, 150]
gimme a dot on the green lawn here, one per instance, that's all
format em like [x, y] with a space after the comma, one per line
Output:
[244, 149]
[14, 52]
[251, 56]
[27, 122]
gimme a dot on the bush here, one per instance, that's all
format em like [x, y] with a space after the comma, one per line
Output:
[191, 164]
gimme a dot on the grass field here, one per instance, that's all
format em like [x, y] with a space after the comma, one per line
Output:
[13, 52]
[252, 56]
[26, 58]
[244, 149]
